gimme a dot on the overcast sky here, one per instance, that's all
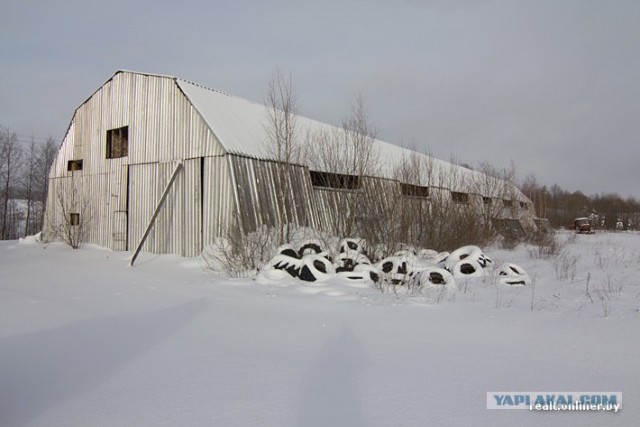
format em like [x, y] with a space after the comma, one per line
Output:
[552, 85]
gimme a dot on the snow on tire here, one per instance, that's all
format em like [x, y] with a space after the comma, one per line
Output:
[280, 267]
[432, 277]
[352, 245]
[470, 252]
[288, 250]
[364, 273]
[395, 270]
[316, 268]
[467, 268]
[512, 275]
[310, 247]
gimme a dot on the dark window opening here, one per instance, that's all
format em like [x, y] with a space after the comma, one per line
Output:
[458, 197]
[414, 190]
[334, 180]
[507, 203]
[524, 206]
[118, 142]
[74, 165]
[487, 201]
[74, 219]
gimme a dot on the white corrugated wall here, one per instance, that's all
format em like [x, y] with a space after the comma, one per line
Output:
[163, 128]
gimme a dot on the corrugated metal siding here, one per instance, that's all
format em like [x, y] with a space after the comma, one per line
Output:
[268, 192]
[219, 206]
[178, 227]
[192, 206]
[142, 196]
[332, 206]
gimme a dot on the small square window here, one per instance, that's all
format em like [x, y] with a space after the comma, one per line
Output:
[74, 219]
[487, 201]
[524, 206]
[118, 142]
[74, 165]
[458, 197]
[507, 203]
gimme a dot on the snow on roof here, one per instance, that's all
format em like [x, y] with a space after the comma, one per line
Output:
[241, 127]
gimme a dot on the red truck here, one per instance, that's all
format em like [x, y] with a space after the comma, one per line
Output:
[583, 226]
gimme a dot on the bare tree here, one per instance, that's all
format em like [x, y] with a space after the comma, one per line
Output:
[494, 186]
[405, 220]
[282, 144]
[538, 194]
[29, 182]
[71, 217]
[10, 159]
[351, 152]
[45, 156]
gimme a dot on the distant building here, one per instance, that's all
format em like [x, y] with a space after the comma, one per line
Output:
[137, 131]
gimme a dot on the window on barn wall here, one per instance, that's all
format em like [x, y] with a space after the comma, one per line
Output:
[74, 219]
[411, 190]
[334, 180]
[118, 142]
[458, 197]
[74, 165]
[487, 201]
[524, 206]
[507, 203]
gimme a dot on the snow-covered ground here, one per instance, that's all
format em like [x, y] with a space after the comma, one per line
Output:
[86, 340]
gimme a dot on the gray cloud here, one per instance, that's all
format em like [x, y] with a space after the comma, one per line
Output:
[551, 85]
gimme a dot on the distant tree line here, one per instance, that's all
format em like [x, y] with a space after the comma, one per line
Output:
[561, 207]
[24, 175]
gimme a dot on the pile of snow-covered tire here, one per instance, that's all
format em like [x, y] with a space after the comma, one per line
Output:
[311, 262]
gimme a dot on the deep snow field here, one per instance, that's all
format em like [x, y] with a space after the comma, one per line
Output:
[86, 340]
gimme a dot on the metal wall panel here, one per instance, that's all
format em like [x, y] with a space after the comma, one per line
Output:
[192, 206]
[268, 193]
[219, 203]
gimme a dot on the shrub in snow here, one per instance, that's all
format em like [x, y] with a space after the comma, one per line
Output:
[545, 246]
[238, 254]
[379, 252]
[512, 274]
